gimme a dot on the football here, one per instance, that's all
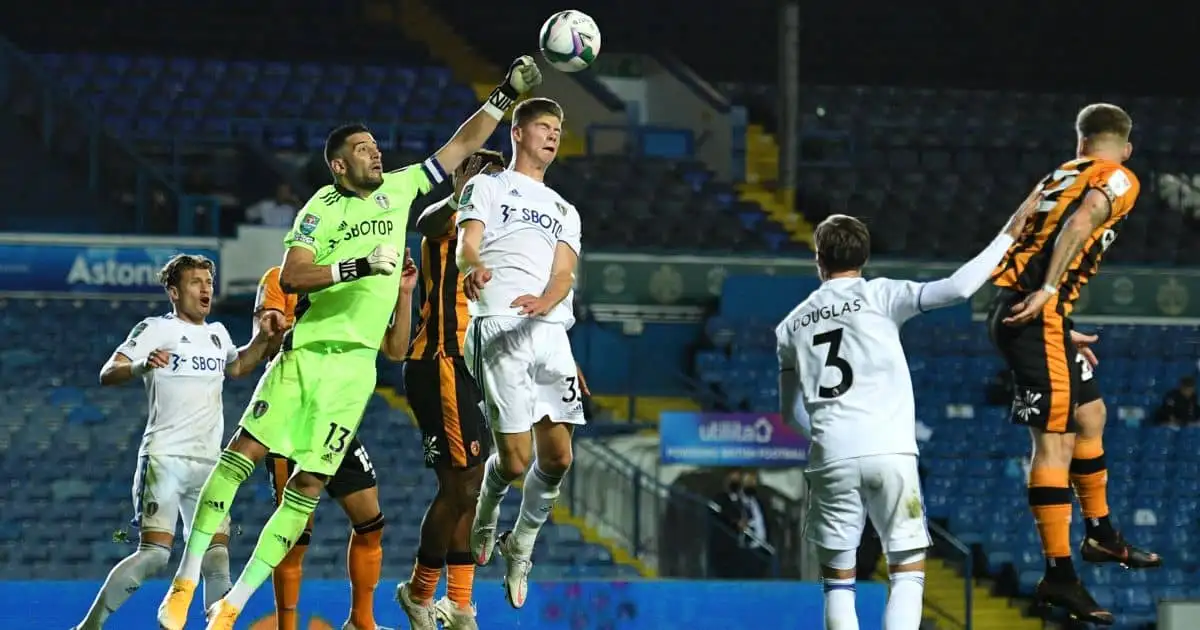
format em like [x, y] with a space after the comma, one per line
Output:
[570, 40]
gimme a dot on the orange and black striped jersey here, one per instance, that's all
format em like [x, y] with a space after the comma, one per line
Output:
[1024, 267]
[271, 296]
[444, 317]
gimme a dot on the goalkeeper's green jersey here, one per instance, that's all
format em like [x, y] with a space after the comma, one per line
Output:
[337, 225]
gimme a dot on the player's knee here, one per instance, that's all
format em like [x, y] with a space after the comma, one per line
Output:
[308, 484]
[555, 464]
[461, 489]
[151, 558]
[906, 561]
[1053, 450]
[514, 462]
[247, 446]
[215, 561]
[1091, 418]
[837, 564]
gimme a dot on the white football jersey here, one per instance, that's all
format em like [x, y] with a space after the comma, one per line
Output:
[524, 221]
[186, 417]
[844, 344]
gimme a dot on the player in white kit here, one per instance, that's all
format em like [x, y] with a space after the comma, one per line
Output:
[183, 361]
[518, 246]
[840, 358]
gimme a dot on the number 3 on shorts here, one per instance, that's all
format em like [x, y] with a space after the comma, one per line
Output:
[335, 440]
[572, 394]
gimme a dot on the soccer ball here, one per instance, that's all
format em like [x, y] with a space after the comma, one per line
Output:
[570, 40]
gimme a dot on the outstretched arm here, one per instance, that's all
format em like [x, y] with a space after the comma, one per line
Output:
[523, 75]
[967, 279]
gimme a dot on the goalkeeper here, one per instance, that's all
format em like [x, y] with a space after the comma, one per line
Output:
[342, 253]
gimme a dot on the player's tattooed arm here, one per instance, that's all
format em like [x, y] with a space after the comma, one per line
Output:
[120, 369]
[1091, 214]
[399, 332]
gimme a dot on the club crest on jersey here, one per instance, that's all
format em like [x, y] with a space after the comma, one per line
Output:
[259, 409]
[309, 223]
[382, 201]
[561, 208]
[216, 341]
[151, 508]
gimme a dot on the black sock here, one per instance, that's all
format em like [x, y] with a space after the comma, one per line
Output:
[1100, 529]
[1060, 570]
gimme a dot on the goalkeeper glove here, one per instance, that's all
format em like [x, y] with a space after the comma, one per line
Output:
[382, 261]
[523, 75]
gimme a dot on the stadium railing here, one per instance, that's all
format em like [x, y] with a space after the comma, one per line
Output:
[947, 546]
[74, 134]
[666, 528]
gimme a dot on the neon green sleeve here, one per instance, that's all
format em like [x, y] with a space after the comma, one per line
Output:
[310, 228]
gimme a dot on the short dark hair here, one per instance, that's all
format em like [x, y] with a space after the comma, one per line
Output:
[489, 158]
[337, 138]
[1100, 119]
[843, 243]
[531, 108]
[172, 272]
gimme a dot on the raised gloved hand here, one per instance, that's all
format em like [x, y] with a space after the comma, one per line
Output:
[523, 75]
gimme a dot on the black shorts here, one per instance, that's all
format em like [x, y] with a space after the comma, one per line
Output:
[1050, 377]
[446, 402]
[354, 475]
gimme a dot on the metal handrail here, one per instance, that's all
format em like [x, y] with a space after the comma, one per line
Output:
[968, 571]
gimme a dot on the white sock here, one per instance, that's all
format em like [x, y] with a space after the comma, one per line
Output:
[538, 495]
[244, 588]
[495, 486]
[215, 570]
[904, 603]
[124, 580]
[839, 605]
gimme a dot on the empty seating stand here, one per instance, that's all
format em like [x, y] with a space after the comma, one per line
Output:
[652, 204]
[937, 172]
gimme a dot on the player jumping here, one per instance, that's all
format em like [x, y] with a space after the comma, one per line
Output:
[1082, 204]
[341, 258]
[445, 401]
[183, 361]
[518, 245]
[840, 357]
[353, 486]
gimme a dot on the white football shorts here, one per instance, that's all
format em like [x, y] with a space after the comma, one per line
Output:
[525, 370]
[165, 489]
[886, 487]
